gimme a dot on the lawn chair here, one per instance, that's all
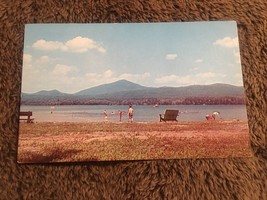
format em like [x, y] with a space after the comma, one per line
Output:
[170, 115]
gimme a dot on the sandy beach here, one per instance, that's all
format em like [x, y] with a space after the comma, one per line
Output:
[100, 141]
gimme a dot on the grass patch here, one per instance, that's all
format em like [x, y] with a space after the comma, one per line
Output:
[67, 142]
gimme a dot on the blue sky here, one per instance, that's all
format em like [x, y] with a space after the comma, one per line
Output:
[72, 57]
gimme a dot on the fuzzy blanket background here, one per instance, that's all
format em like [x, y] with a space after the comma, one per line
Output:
[236, 178]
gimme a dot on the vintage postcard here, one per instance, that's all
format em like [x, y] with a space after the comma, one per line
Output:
[140, 91]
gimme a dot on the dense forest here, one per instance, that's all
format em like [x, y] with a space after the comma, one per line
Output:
[227, 100]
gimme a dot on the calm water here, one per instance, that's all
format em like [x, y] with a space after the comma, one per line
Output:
[87, 113]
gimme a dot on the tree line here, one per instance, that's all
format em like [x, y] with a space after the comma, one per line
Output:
[226, 100]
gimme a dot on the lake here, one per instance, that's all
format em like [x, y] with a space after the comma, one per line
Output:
[142, 113]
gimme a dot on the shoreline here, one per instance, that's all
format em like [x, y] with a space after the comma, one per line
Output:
[145, 122]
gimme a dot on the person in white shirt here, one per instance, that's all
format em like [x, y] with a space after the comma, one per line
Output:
[130, 113]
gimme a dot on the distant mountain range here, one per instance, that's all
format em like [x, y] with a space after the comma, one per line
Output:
[126, 90]
[48, 93]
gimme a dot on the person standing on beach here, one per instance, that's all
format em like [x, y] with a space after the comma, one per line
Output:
[105, 115]
[120, 114]
[130, 113]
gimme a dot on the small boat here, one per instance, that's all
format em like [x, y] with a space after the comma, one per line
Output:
[155, 106]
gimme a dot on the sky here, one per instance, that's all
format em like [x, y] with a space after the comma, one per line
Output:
[73, 57]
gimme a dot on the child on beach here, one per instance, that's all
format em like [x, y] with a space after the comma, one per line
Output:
[130, 113]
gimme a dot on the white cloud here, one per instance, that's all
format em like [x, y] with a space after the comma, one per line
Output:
[83, 44]
[100, 76]
[227, 42]
[134, 77]
[62, 70]
[108, 76]
[41, 61]
[45, 73]
[48, 45]
[94, 79]
[194, 69]
[198, 61]
[207, 75]
[171, 56]
[200, 78]
[27, 58]
[78, 44]
[30, 64]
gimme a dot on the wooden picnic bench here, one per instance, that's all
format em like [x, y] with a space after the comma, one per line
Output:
[170, 115]
[27, 114]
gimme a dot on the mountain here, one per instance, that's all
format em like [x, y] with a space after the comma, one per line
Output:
[49, 93]
[214, 90]
[111, 88]
[44, 97]
[124, 91]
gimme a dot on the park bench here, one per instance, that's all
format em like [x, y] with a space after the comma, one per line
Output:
[170, 115]
[27, 114]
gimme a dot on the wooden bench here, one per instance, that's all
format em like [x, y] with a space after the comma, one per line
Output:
[27, 114]
[170, 115]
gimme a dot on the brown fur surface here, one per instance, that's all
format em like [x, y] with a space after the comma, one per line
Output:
[236, 178]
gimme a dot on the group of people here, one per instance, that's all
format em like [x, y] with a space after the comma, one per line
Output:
[130, 114]
[212, 116]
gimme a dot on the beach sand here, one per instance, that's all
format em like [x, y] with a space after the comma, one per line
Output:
[102, 141]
